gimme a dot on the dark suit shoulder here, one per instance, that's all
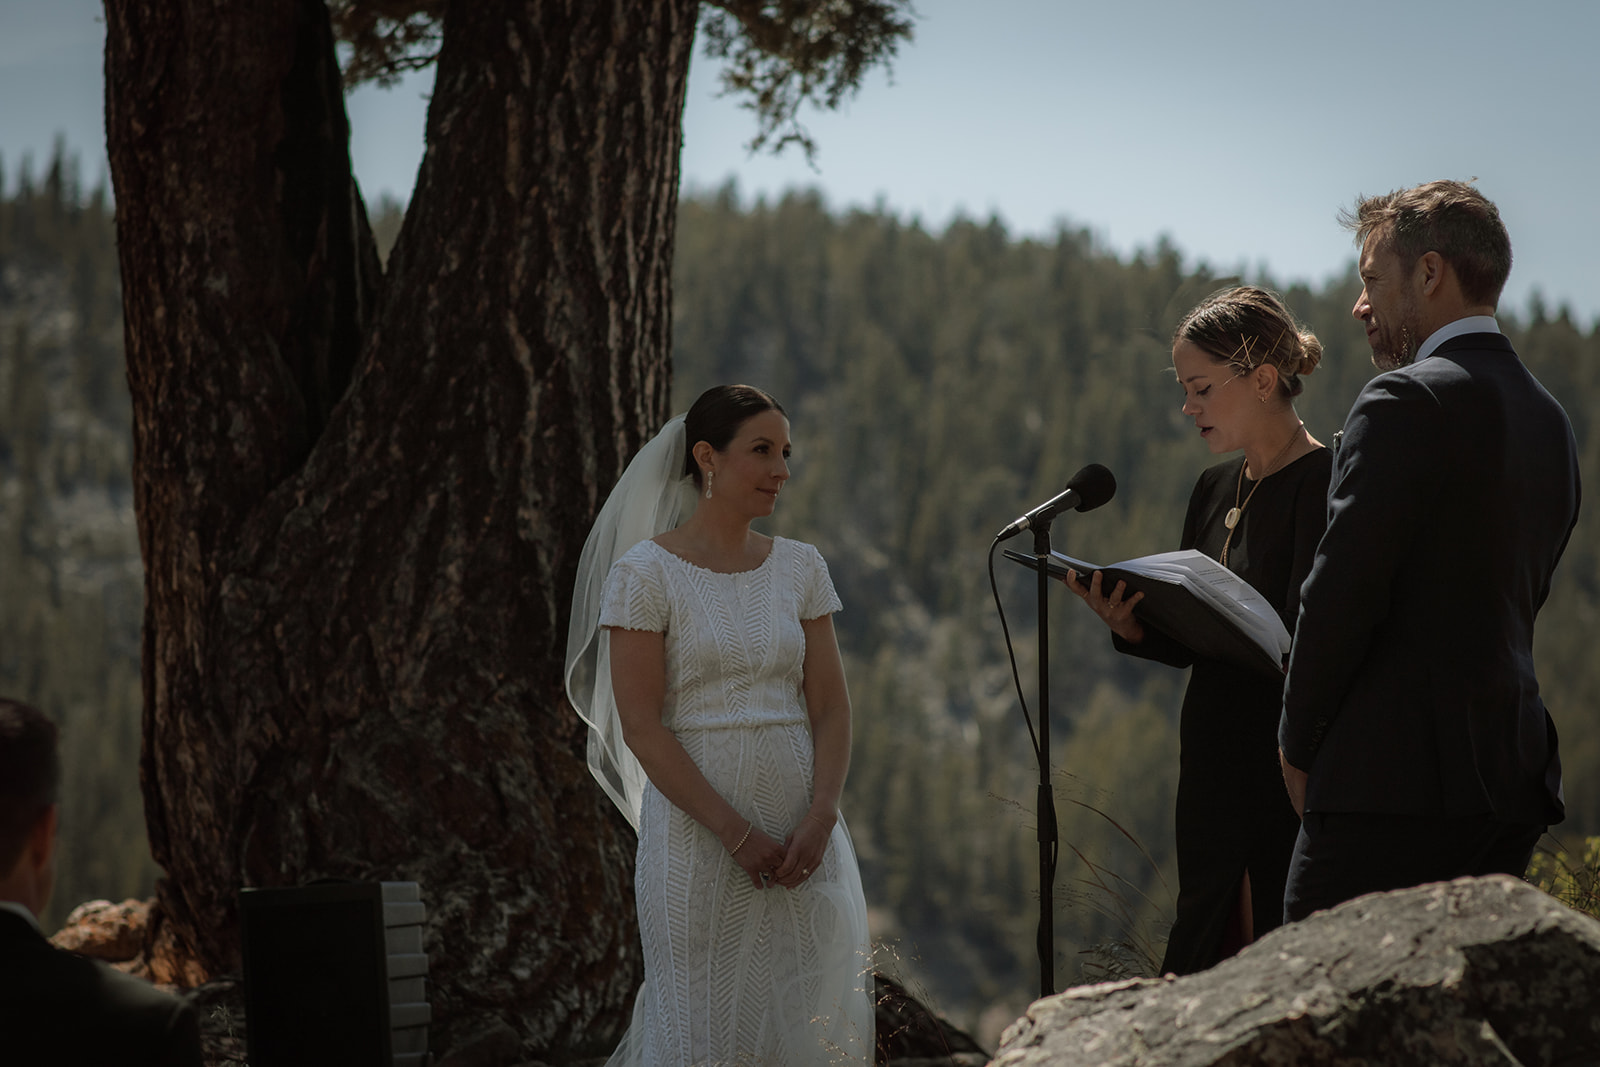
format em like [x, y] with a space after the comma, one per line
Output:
[69, 1009]
[1474, 361]
[1473, 342]
[1413, 381]
[1479, 377]
[1397, 409]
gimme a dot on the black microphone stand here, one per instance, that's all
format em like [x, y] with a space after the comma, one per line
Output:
[1046, 798]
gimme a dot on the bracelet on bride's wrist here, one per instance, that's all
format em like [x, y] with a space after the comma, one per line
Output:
[819, 822]
[747, 828]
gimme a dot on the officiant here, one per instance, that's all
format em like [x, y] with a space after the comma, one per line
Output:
[1240, 358]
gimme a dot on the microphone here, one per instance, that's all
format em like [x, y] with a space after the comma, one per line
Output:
[1085, 491]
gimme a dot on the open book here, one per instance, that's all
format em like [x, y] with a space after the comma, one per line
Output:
[1194, 600]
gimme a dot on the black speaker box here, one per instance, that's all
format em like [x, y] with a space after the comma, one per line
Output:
[335, 974]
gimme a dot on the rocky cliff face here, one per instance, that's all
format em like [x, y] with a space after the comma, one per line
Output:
[1475, 971]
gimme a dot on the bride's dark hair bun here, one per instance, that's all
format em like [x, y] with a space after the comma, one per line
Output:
[716, 417]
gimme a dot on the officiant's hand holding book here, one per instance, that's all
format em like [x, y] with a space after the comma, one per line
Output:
[1113, 601]
[1192, 599]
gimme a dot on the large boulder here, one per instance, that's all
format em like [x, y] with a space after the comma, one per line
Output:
[1475, 971]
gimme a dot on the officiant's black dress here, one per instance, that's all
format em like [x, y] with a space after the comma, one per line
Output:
[1233, 813]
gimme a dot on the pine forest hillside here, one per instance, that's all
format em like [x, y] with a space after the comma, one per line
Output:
[938, 384]
[71, 585]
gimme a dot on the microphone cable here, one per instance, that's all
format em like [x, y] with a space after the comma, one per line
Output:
[1047, 812]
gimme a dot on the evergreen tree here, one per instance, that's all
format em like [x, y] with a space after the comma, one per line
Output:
[362, 489]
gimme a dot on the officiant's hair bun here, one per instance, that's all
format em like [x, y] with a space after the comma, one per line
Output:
[1247, 327]
[716, 417]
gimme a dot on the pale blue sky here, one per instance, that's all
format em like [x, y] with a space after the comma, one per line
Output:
[1237, 128]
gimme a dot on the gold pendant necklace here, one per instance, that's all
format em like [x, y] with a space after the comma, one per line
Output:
[1236, 512]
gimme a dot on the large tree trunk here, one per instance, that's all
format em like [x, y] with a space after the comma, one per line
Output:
[361, 498]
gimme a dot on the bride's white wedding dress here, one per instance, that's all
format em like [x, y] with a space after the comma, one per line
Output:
[734, 974]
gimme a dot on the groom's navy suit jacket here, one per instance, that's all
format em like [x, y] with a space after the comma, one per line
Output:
[1411, 686]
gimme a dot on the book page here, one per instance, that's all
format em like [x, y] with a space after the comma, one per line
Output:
[1226, 590]
[1215, 584]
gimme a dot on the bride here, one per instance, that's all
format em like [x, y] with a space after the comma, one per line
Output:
[702, 655]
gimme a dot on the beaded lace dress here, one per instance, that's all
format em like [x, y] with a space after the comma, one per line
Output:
[734, 974]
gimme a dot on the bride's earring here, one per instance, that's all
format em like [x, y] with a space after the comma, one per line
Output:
[709, 475]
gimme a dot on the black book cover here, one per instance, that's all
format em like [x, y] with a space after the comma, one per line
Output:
[1167, 606]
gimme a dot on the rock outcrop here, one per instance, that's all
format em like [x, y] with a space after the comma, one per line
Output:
[911, 1035]
[1475, 971]
[106, 931]
[131, 937]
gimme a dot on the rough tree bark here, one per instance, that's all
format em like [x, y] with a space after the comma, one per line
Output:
[360, 497]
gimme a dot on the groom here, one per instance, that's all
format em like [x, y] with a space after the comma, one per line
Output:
[1413, 738]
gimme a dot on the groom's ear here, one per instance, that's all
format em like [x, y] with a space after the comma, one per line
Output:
[1429, 273]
